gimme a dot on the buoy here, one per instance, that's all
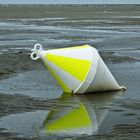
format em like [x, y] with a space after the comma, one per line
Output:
[78, 69]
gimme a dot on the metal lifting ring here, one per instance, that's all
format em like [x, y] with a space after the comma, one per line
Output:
[38, 47]
[34, 56]
[35, 52]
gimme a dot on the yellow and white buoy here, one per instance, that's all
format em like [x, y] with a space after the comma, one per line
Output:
[77, 69]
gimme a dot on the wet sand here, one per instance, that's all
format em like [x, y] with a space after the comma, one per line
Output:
[113, 30]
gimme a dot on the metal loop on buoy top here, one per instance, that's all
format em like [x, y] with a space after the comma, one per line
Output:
[35, 51]
[34, 56]
[38, 47]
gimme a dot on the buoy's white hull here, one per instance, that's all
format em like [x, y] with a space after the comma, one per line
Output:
[103, 79]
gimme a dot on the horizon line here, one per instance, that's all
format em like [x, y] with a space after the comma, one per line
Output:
[67, 4]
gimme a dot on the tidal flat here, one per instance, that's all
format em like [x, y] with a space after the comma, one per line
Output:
[32, 105]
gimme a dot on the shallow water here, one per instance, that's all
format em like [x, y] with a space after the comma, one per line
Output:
[73, 116]
[23, 33]
[32, 83]
[116, 35]
[26, 124]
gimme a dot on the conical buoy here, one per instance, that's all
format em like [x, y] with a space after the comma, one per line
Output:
[77, 69]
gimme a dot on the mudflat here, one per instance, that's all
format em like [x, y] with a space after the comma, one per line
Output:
[28, 93]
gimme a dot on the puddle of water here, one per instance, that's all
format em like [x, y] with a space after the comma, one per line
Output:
[127, 74]
[70, 115]
[32, 83]
[26, 124]
[86, 115]
[81, 116]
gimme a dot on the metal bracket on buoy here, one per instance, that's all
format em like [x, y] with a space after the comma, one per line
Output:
[35, 51]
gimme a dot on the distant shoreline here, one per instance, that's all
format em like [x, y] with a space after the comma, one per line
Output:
[8, 11]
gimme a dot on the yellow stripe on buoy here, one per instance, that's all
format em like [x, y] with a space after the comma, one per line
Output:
[77, 118]
[59, 81]
[76, 67]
